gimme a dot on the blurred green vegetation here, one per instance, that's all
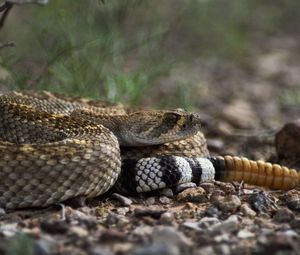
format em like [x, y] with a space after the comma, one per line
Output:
[118, 50]
[21, 244]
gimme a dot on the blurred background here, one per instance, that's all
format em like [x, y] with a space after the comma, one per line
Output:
[228, 58]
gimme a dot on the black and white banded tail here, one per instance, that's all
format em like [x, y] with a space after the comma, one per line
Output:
[153, 173]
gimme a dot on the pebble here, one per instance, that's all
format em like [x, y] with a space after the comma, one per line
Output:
[44, 246]
[154, 213]
[292, 199]
[122, 222]
[295, 223]
[215, 145]
[212, 212]
[2, 212]
[225, 187]
[229, 203]
[164, 200]
[54, 226]
[223, 238]
[228, 226]
[195, 195]
[150, 201]
[208, 222]
[191, 225]
[122, 210]
[155, 249]
[171, 236]
[247, 211]
[9, 230]
[143, 230]
[167, 192]
[222, 249]
[99, 251]
[245, 234]
[124, 201]
[289, 232]
[284, 215]
[112, 235]
[287, 142]
[167, 218]
[208, 187]
[112, 219]
[78, 231]
[205, 250]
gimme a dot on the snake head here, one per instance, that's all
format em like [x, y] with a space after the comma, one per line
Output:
[144, 128]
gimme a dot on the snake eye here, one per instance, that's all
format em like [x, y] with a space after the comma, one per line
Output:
[191, 118]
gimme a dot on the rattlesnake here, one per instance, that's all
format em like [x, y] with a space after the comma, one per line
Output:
[55, 148]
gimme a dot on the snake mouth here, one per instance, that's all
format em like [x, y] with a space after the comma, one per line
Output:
[130, 139]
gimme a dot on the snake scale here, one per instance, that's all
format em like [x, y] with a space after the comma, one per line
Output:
[55, 148]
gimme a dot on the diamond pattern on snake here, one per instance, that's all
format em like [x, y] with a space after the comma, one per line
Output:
[54, 148]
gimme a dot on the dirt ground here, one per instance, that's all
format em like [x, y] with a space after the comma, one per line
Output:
[243, 107]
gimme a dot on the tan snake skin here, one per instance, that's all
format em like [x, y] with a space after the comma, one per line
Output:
[55, 148]
[52, 149]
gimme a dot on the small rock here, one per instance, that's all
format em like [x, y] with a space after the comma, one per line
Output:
[223, 249]
[155, 249]
[226, 187]
[195, 195]
[112, 235]
[164, 200]
[212, 212]
[44, 246]
[79, 231]
[230, 203]
[9, 230]
[289, 232]
[292, 199]
[205, 250]
[245, 234]
[122, 210]
[183, 186]
[167, 218]
[99, 251]
[223, 238]
[54, 226]
[171, 236]
[242, 249]
[287, 142]
[122, 222]
[247, 211]
[208, 187]
[142, 212]
[284, 215]
[150, 201]
[208, 222]
[125, 201]
[215, 145]
[295, 223]
[227, 226]
[191, 225]
[143, 230]
[2, 212]
[167, 192]
[112, 219]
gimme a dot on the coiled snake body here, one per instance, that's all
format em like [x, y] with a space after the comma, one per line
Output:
[53, 149]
